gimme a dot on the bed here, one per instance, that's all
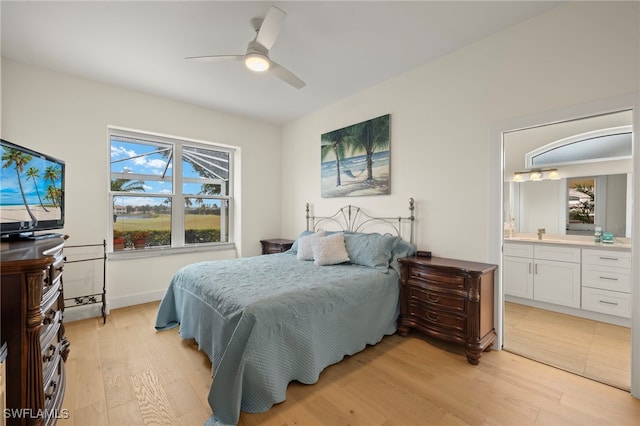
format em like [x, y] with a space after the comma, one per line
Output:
[265, 321]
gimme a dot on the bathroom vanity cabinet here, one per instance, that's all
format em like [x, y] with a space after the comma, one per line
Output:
[589, 279]
[546, 273]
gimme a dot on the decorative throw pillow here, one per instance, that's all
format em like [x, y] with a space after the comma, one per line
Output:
[329, 250]
[294, 247]
[305, 249]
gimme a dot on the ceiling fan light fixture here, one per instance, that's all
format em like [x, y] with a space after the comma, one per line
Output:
[257, 62]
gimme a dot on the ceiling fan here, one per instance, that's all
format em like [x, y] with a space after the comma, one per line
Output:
[257, 56]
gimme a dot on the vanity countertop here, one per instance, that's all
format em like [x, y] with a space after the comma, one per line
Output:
[572, 240]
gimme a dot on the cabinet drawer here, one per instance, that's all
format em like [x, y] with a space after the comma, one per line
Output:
[606, 278]
[436, 278]
[619, 259]
[606, 302]
[518, 250]
[435, 299]
[437, 320]
[557, 253]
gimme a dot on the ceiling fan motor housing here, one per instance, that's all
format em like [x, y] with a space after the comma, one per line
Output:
[257, 57]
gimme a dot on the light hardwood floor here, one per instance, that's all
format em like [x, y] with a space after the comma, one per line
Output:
[590, 348]
[126, 373]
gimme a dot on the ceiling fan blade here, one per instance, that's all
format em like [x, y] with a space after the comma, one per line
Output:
[270, 28]
[286, 75]
[216, 58]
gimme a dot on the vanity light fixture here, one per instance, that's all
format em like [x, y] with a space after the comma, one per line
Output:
[536, 175]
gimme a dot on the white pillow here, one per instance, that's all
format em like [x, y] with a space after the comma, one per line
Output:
[329, 250]
[305, 249]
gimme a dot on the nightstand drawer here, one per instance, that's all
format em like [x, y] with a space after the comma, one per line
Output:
[437, 320]
[436, 278]
[436, 300]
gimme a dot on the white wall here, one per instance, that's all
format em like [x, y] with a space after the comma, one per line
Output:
[67, 117]
[441, 114]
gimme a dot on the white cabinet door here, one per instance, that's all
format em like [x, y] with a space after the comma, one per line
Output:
[557, 282]
[517, 276]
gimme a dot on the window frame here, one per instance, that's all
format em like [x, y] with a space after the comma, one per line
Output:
[177, 197]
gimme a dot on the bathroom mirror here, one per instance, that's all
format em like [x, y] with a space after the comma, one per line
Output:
[549, 201]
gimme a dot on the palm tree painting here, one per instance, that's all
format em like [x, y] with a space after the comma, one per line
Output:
[355, 159]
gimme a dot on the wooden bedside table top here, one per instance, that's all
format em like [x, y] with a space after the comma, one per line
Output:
[449, 263]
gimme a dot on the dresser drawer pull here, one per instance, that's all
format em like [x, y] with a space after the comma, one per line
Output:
[54, 385]
[433, 299]
[52, 352]
[49, 316]
[608, 303]
[609, 278]
[433, 317]
[608, 258]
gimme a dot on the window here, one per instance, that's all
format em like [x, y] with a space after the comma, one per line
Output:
[167, 192]
[599, 145]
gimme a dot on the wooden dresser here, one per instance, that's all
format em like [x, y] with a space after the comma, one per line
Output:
[449, 299]
[275, 245]
[32, 326]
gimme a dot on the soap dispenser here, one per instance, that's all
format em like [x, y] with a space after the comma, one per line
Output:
[598, 234]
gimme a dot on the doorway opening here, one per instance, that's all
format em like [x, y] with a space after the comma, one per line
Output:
[553, 312]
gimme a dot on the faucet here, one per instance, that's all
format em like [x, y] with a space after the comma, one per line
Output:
[540, 232]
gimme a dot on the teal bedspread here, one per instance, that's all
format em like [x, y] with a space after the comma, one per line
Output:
[267, 320]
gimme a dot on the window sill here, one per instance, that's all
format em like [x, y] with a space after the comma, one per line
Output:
[167, 251]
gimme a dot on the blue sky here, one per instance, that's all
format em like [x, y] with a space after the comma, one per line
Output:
[10, 191]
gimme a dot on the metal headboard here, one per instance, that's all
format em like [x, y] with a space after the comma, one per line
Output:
[353, 219]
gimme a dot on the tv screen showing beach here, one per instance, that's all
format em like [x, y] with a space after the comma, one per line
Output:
[31, 188]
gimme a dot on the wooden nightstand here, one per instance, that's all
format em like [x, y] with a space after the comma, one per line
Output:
[449, 299]
[275, 245]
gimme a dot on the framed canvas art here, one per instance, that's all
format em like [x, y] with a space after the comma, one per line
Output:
[355, 159]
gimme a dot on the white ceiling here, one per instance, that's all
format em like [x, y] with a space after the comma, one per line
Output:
[338, 48]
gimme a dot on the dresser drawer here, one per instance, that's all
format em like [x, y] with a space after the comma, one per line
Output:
[606, 278]
[436, 300]
[430, 277]
[437, 320]
[606, 302]
[618, 259]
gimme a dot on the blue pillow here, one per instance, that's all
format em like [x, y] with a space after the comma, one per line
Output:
[373, 250]
[401, 249]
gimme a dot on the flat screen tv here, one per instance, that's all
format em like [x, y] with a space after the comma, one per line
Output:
[31, 192]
